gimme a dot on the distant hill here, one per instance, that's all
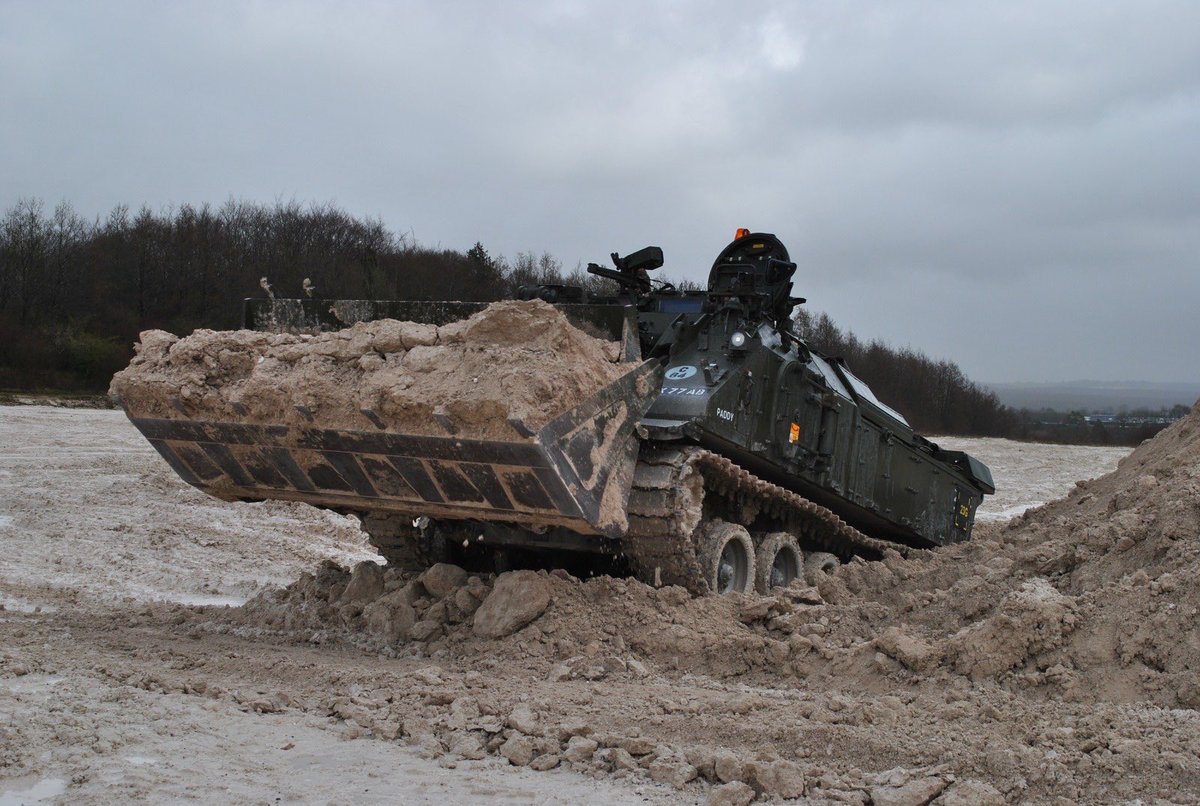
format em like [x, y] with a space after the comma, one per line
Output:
[1096, 395]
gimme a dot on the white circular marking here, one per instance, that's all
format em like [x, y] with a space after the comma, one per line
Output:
[681, 372]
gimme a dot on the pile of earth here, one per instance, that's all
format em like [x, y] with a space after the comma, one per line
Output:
[1090, 599]
[514, 359]
[559, 625]
[585, 640]
[1096, 596]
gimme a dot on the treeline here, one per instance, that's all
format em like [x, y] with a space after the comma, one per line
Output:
[934, 396]
[75, 293]
[937, 398]
[1078, 428]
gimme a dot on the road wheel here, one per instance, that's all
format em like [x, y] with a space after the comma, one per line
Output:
[819, 562]
[779, 561]
[727, 558]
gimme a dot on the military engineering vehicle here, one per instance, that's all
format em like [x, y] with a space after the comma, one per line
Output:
[730, 457]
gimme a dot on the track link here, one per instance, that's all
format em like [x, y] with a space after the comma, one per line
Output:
[676, 490]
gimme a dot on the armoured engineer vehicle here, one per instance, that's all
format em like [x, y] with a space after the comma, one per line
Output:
[731, 457]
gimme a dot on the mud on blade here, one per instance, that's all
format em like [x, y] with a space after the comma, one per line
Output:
[573, 472]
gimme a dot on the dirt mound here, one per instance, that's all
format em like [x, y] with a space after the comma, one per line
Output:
[1043, 628]
[987, 672]
[556, 632]
[577, 629]
[1096, 594]
[514, 359]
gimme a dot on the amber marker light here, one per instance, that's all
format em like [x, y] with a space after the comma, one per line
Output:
[742, 232]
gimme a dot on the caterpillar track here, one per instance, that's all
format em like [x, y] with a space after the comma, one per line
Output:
[679, 492]
[678, 495]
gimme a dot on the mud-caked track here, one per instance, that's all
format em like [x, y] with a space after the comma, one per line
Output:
[680, 494]
[681, 498]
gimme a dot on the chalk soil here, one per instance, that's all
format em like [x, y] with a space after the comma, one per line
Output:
[1052, 657]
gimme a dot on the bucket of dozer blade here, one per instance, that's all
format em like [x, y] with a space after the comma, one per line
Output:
[574, 472]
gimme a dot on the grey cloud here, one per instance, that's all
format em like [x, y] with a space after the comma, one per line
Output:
[1019, 170]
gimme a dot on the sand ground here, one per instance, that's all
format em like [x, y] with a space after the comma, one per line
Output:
[129, 671]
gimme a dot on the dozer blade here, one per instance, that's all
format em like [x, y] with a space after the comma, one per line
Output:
[574, 472]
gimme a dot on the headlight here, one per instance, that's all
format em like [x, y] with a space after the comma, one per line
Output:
[738, 340]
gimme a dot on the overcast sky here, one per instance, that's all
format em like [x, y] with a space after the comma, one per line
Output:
[1013, 186]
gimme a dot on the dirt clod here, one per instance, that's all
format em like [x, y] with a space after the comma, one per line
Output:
[517, 599]
[778, 779]
[442, 579]
[580, 749]
[735, 793]
[518, 749]
[365, 585]
[673, 771]
[970, 793]
[912, 793]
